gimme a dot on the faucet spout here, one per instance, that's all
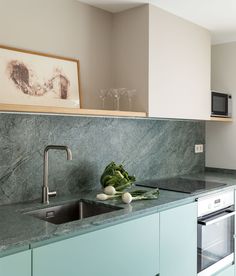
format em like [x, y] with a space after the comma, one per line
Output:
[45, 189]
[69, 154]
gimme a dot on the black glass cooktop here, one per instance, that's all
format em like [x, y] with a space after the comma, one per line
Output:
[182, 185]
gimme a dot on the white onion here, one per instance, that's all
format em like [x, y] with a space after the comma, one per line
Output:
[127, 198]
[102, 197]
[110, 190]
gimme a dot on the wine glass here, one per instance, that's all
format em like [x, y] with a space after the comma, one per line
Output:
[130, 94]
[116, 93]
[102, 95]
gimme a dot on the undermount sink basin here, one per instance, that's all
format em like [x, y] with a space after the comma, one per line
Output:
[75, 210]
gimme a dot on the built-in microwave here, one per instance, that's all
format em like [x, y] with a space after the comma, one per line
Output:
[221, 104]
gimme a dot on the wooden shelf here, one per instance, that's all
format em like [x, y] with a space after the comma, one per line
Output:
[220, 119]
[68, 111]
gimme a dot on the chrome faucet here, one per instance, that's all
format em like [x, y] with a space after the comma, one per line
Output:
[45, 189]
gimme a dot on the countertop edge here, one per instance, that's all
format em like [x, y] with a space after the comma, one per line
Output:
[20, 246]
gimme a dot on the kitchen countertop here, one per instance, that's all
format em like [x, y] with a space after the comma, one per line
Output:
[19, 231]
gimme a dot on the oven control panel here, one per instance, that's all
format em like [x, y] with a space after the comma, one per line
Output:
[209, 204]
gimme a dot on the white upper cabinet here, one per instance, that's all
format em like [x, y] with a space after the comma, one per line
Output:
[166, 58]
[179, 67]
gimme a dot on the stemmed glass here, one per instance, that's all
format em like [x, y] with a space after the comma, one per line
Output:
[103, 95]
[116, 93]
[130, 95]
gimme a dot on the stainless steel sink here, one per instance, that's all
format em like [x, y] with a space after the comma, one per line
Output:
[76, 210]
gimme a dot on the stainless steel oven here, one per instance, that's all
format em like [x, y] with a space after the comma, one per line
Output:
[215, 241]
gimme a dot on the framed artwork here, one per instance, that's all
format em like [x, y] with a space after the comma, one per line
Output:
[36, 79]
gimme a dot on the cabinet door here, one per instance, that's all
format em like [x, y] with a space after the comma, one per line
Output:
[226, 272]
[16, 265]
[178, 241]
[130, 248]
[179, 67]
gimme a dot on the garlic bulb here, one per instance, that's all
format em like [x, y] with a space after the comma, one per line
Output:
[127, 198]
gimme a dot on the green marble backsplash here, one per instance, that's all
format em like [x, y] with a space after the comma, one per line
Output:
[147, 148]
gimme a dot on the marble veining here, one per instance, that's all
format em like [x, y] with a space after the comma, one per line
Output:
[147, 148]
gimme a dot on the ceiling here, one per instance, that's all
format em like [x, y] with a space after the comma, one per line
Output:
[115, 5]
[218, 16]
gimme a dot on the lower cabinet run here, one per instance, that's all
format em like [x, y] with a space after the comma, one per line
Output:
[178, 241]
[162, 244]
[18, 264]
[127, 249]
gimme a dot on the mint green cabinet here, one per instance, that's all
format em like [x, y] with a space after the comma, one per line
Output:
[127, 249]
[18, 264]
[178, 241]
[229, 271]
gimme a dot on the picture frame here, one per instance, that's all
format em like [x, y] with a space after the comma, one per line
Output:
[34, 81]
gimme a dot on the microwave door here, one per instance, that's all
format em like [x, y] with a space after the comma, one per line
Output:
[219, 104]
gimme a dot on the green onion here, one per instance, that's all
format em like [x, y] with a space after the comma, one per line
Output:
[128, 197]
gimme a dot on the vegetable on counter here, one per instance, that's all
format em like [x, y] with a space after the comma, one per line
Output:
[105, 196]
[116, 176]
[128, 197]
[116, 181]
[110, 190]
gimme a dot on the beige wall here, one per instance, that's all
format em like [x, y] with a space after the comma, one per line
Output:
[130, 54]
[179, 67]
[132, 49]
[66, 28]
[221, 137]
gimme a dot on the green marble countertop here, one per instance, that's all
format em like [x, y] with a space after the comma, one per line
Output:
[19, 231]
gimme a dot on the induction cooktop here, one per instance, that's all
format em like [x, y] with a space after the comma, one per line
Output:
[182, 185]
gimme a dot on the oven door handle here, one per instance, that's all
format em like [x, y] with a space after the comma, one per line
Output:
[209, 222]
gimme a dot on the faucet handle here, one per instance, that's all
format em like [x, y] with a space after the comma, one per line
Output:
[52, 194]
[46, 194]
